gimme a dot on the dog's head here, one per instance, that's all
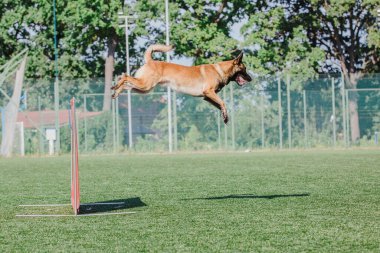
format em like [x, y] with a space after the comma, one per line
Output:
[239, 71]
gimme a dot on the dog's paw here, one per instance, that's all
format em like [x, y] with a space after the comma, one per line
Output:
[115, 95]
[225, 117]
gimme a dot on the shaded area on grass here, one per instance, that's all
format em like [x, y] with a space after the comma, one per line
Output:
[111, 205]
[252, 196]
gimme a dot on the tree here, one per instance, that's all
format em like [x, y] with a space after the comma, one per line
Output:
[91, 27]
[85, 30]
[344, 30]
[198, 29]
[11, 29]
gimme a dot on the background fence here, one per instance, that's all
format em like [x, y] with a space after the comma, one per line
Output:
[268, 113]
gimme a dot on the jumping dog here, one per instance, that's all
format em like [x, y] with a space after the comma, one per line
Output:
[199, 81]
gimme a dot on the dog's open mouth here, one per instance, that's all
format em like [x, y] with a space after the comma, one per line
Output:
[241, 80]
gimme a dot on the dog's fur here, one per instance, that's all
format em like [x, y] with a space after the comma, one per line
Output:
[200, 81]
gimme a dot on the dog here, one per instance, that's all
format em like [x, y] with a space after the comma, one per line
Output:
[199, 81]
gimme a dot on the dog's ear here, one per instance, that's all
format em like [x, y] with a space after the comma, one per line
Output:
[238, 59]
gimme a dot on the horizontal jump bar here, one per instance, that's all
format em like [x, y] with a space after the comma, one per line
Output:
[85, 204]
[71, 215]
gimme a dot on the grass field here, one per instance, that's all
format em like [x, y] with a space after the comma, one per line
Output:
[322, 201]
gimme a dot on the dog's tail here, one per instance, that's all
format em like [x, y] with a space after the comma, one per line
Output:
[158, 48]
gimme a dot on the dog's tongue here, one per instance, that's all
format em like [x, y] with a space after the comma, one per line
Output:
[240, 80]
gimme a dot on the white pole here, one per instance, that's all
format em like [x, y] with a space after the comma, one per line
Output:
[113, 125]
[85, 122]
[225, 126]
[130, 139]
[304, 117]
[262, 120]
[219, 131]
[343, 108]
[51, 147]
[279, 111]
[22, 141]
[289, 112]
[169, 91]
[347, 120]
[232, 116]
[333, 110]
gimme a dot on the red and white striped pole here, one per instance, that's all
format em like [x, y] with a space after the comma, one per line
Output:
[75, 193]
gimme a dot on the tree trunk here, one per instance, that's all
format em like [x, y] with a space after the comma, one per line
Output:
[354, 118]
[353, 109]
[109, 68]
[10, 112]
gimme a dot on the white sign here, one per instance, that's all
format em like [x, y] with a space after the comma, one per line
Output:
[51, 134]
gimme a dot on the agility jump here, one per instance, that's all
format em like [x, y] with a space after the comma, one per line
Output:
[75, 190]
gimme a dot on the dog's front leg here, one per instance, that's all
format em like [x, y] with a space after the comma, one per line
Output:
[211, 97]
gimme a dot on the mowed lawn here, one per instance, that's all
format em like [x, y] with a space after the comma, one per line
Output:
[317, 201]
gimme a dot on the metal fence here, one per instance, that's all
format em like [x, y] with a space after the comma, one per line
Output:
[267, 114]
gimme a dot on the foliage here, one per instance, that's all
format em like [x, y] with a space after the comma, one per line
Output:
[297, 38]
[99, 133]
[275, 46]
[198, 29]
[292, 37]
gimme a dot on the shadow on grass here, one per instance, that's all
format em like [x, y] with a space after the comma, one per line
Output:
[111, 205]
[251, 196]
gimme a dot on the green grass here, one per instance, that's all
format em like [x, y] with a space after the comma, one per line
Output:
[323, 201]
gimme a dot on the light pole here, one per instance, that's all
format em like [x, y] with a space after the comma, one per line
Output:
[126, 17]
[56, 87]
[169, 90]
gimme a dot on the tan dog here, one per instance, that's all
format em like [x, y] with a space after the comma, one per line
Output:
[200, 81]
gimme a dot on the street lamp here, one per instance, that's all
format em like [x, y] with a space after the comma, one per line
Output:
[125, 25]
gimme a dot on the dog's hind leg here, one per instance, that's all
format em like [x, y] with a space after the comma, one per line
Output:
[131, 83]
[140, 85]
[120, 82]
[120, 89]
